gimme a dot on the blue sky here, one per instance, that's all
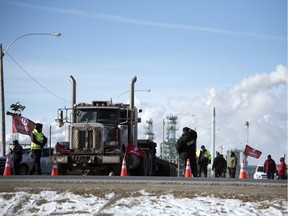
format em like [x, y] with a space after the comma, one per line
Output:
[193, 55]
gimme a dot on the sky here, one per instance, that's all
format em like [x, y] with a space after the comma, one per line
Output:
[138, 203]
[192, 55]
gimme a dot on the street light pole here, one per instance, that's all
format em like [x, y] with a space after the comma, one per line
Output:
[2, 83]
[2, 104]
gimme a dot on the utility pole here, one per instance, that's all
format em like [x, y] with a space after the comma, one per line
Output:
[3, 129]
[213, 134]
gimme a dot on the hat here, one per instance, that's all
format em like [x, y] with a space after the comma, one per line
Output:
[185, 129]
[15, 142]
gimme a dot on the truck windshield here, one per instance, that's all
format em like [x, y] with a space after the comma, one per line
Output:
[109, 116]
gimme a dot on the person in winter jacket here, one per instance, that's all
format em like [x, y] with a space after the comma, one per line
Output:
[38, 141]
[219, 165]
[186, 148]
[17, 156]
[203, 158]
[270, 167]
[232, 164]
[282, 169]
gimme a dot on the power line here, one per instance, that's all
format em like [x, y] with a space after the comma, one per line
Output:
[42, 86]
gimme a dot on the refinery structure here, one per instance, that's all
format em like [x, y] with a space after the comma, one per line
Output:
[167, 146]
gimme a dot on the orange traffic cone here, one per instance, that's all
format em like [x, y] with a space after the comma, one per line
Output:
[124, 169]
[7, 171]
[188, 173]
[54, 168]
[242, 171]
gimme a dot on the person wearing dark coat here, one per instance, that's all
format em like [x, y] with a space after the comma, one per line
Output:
[219, 165]
[17, 156]
[270, 167]
[186, 148]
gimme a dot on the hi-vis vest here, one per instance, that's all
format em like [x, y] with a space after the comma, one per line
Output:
[39, 137]
[205, 155]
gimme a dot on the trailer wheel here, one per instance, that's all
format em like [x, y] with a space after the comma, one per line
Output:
[150, 164]
[88, 172]
[147, 164]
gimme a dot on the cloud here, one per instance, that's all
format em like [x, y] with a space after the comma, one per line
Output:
[122, 19]
[261, 98]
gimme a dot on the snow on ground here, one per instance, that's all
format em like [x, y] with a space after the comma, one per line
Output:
[138, 203]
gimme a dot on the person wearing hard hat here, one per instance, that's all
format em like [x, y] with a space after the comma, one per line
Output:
[38, 140]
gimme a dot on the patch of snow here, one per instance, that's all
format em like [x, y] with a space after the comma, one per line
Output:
[144, 203]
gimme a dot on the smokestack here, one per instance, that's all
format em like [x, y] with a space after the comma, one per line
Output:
[132, 92]
[73, 98]
[133, 128]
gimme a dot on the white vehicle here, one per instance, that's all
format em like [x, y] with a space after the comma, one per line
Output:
[259, 173]
[27, 161]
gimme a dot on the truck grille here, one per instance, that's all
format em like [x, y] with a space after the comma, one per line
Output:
[87, 139]
[91, 138]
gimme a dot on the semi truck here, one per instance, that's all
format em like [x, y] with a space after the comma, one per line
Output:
[100, 134]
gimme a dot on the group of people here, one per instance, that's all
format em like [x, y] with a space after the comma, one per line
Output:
[38, 141]
[199, 160]
[270, 168]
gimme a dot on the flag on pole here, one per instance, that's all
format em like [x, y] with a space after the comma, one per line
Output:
[252, 152]
[22, 125]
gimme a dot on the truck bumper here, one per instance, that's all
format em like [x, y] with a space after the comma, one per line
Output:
[86, 159]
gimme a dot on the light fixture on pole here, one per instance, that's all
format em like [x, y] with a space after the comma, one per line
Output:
[2, 83]
[143, 90]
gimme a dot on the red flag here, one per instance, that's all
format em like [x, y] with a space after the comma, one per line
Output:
[134, 150]
[252, 152]
[22, 125]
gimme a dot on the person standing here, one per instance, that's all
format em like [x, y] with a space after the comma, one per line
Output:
[232, 164]
[203, 158]
[17, 156]
[270, 167]
[282, 169]
[216, 165]
[38, 140]
[186, 148]
[219, 165]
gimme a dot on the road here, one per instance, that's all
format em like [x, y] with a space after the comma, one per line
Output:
[245, 189]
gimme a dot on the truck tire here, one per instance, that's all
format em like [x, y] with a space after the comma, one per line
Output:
[132, 162]
[24, 170]
[62, 169]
